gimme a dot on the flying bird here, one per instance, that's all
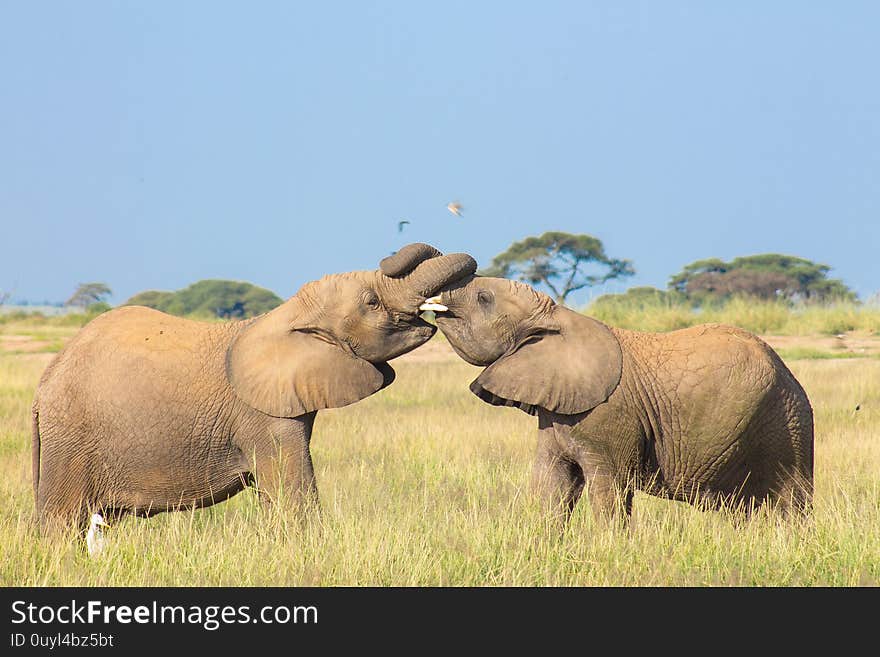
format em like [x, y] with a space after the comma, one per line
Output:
[455, 208]
[95, 535]
[400, 225]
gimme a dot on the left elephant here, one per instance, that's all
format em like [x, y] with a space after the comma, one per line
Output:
[143, 412]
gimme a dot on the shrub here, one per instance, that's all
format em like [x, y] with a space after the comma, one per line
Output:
[211, 299]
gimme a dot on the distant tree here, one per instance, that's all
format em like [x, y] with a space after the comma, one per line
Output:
[211, 298]
[88, 294]
[764, 276]
[151, 299]
[561, 262]
[742, 282]
[5, 295]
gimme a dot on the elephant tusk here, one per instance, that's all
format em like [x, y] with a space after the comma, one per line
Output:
[433, 304]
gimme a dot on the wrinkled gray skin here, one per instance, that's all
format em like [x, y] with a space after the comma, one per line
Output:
[709, 415]
[143, 412]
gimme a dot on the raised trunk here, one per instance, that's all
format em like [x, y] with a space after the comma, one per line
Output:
[405, 260]
[436, 273]
[417, 280]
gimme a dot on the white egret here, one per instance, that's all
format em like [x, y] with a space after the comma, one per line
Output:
[95, 535]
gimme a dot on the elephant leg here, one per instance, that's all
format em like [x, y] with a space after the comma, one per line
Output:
[557, 481]
[794, 499]
[60, 517]
[795, 496]
[610, 498]
[286, 475]
[282, 465]
[62, 501]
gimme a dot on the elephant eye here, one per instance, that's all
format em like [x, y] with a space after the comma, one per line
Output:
[371, 300]
[484, 297]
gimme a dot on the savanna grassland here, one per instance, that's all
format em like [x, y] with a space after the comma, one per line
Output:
[423, 484]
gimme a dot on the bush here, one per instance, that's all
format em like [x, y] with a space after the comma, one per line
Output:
[211, 299]
[151, 299]
[96, 309]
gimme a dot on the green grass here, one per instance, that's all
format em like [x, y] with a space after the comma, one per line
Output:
[766, 317]
[423, 484]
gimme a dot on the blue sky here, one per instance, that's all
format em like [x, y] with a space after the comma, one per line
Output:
[150, 145]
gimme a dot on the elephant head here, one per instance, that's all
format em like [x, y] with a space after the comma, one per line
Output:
[328, 345]
[536, 353]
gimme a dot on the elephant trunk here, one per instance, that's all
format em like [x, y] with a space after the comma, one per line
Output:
[405, 260]
[433, 275]
[420, 270]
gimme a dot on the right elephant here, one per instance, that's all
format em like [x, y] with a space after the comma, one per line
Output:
[709, 415]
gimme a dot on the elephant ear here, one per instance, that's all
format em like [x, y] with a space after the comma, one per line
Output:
[569, 369]
[286, 372]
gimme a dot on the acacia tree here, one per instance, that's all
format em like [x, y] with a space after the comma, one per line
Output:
[89, 293]
[766, 276]
[562, 262]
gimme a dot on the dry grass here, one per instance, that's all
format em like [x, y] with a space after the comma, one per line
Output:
[423, 484]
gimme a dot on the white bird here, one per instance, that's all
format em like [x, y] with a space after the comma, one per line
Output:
[95, 535]
[455, 208]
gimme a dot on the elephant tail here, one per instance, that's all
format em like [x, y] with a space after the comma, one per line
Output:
[35, 446]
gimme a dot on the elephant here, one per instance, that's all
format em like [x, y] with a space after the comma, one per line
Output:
[143, 412]
[708, 415]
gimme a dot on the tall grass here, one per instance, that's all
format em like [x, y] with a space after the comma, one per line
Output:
[773, 317]
[423, 484]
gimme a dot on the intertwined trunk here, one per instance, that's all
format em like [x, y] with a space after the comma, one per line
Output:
[418, 271]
